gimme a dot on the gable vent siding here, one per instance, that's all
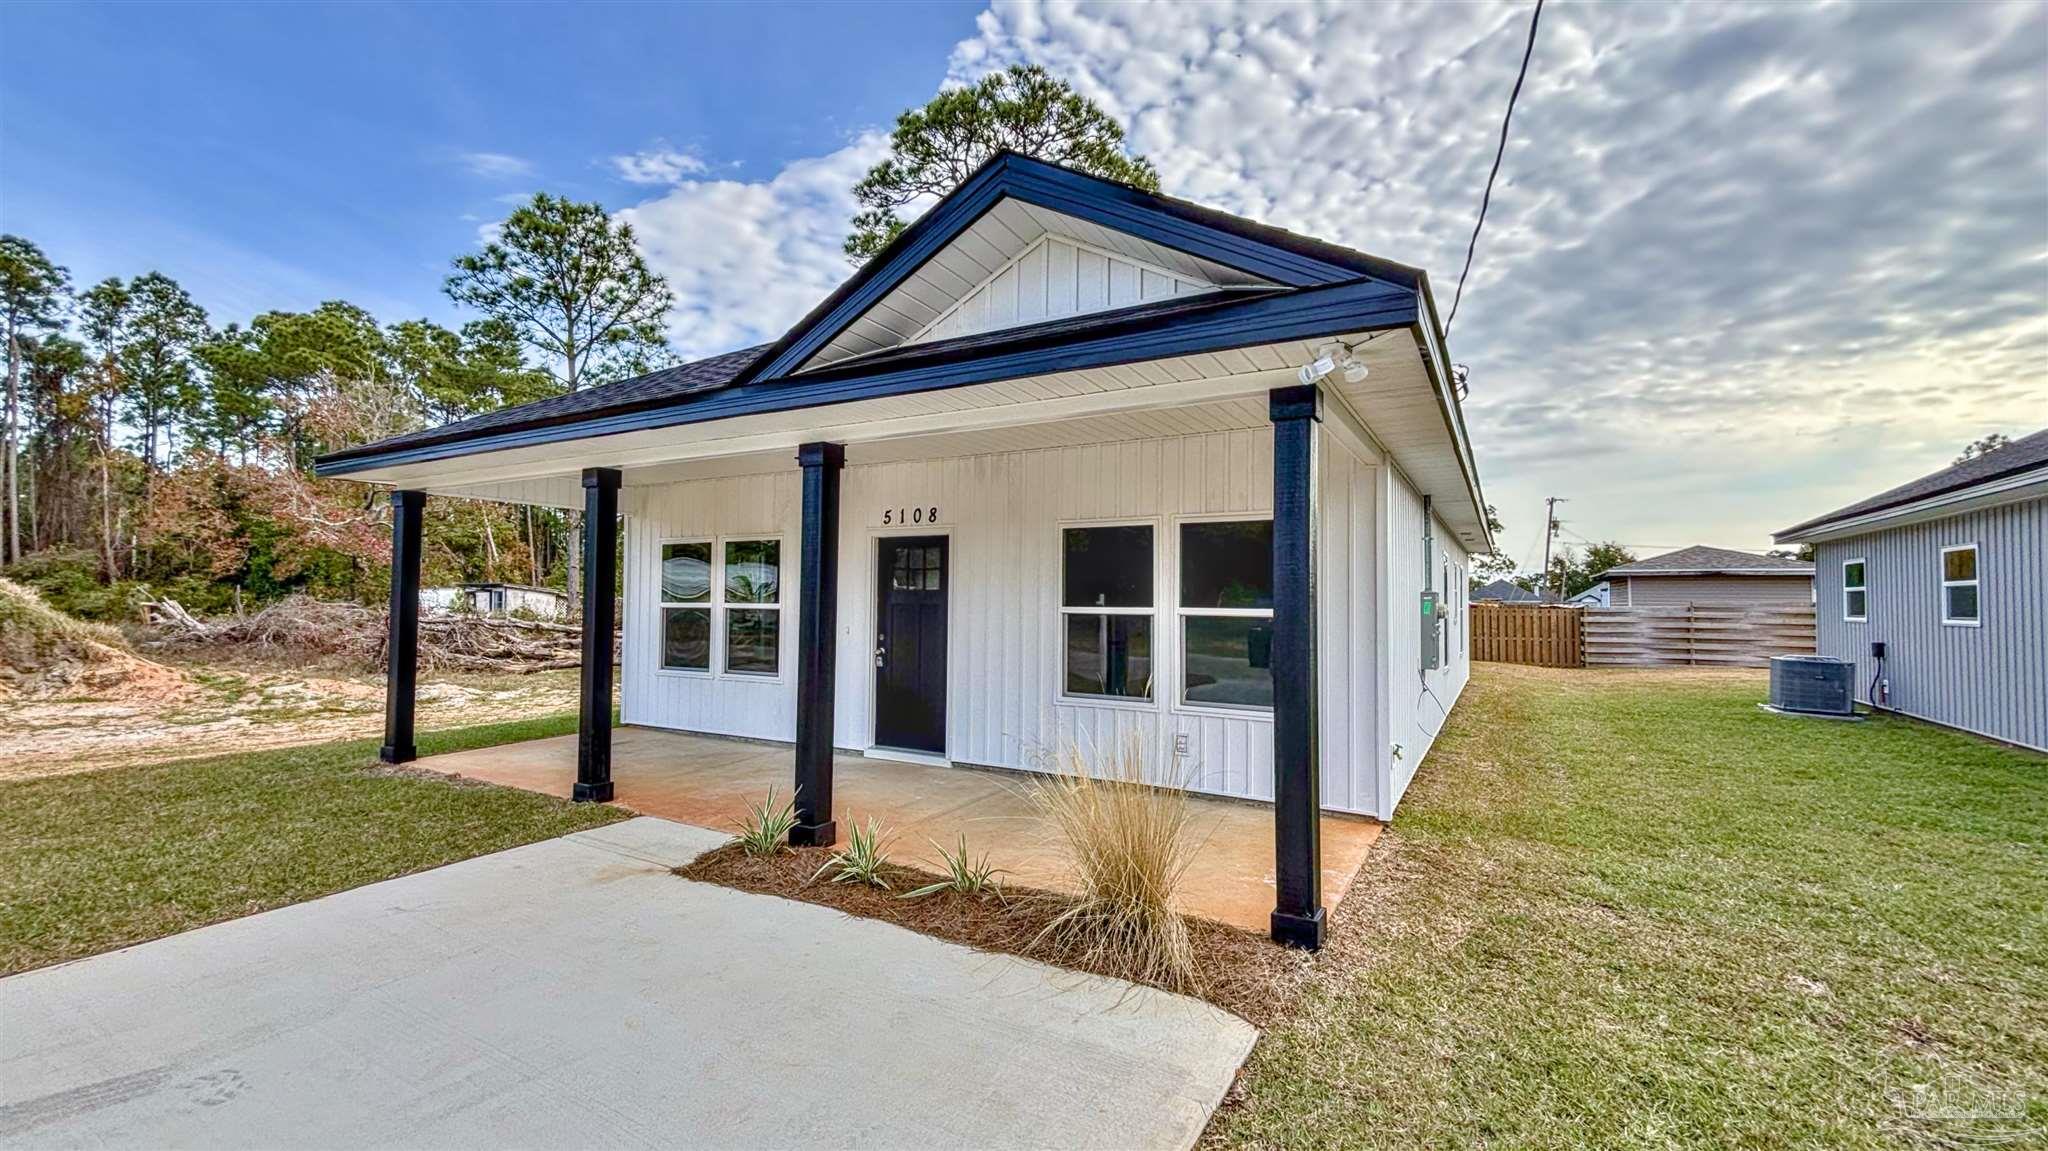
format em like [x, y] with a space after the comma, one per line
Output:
[1052, 279]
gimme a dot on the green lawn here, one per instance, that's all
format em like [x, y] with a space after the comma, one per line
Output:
[103, 859]
[1632, 910]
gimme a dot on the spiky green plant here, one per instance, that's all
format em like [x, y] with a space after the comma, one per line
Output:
[765, 830]
[964, 874]
[867, 850]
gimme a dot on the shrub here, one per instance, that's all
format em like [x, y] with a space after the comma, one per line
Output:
[1129, 844]
[765, 830]
[867, 851]
[964, 874]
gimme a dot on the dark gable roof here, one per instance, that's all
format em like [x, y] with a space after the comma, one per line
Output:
[650, 390]
[1316, 264]
[1702, 560]
[1501, 591]
[2023, 454]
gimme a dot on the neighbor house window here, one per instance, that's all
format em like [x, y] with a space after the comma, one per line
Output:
[1226, 613]
[752, 602]
[686, 606]
[1959, 585]
[1106, 608]
[1855, 597]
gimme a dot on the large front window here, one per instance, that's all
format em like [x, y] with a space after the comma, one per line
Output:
[1226, 613]
[1106, 607]
[742, 595]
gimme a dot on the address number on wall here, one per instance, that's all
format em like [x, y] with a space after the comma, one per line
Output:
[894, 516]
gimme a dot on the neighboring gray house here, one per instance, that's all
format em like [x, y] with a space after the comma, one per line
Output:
[1949, 574]
[1501, 591]
[1704, 575]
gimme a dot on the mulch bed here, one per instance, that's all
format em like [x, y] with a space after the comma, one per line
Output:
[1246, 974]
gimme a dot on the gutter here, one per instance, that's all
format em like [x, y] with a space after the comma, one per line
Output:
[1999, 490]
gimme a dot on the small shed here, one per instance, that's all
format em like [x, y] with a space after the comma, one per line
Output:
[1706, 575]
[491, 598]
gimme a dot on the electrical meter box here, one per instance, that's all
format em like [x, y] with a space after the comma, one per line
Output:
[1432, 631]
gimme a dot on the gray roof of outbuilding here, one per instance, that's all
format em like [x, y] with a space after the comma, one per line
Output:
[1504, 592]
[2023, 454]
[1702, 560]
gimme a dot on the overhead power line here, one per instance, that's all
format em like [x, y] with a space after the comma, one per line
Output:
[1487, 197]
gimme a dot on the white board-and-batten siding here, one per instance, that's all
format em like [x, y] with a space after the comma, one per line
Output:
[1052, 278]
[1418, 703]
[1990, 678]
[1003, 514]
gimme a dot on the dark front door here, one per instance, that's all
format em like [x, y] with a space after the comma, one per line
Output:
[910, 644]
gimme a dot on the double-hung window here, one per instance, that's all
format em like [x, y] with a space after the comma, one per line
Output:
[753, 606]
[731, 593]
[1226, 613]
[1959, 585]
[1106, 610]
[1855, 597]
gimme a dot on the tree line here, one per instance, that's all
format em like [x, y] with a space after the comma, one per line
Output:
[147, 451]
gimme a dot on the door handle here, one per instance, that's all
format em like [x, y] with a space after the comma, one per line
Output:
[881, 652]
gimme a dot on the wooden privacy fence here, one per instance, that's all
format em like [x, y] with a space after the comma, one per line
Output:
[1709, 635]
[1539, 634]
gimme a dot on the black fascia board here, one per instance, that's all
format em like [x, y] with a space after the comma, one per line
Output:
[1360, 305]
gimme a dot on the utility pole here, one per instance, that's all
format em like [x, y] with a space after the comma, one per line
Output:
[1550, 533]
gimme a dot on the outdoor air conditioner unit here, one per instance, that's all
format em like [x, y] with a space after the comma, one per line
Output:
[1813, 683]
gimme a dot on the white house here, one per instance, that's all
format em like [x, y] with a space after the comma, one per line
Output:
[1066, 457]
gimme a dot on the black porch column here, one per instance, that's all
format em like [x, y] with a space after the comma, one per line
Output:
[817, 641]
[600, 579]
[402, 649]
[1297, 799]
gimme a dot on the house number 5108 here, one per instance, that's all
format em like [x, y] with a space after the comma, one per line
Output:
[893, 516]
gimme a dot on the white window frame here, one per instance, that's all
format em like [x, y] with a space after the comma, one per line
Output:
[1135, 703]
[726, 607]
[718, 606]
[1863, 587]
[662, 604]
[1180, 614]
[1975, 583]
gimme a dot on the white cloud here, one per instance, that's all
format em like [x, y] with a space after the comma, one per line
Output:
[1743, 264]
[494, 165]
[658, 165]
[748, 259]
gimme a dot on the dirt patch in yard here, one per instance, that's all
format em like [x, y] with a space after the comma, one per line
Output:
[181, 711]
[1245, 974]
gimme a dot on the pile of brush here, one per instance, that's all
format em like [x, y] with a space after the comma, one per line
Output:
[304, 629]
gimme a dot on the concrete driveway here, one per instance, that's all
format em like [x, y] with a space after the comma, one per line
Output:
[573, 993]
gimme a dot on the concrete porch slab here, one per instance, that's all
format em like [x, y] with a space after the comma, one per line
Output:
[573, 993]
[709, 781]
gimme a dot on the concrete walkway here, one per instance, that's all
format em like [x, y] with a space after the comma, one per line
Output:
[573, 993]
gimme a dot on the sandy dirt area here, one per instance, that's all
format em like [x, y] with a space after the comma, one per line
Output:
[203, 709]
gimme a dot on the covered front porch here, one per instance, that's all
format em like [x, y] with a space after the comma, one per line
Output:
[710, 781]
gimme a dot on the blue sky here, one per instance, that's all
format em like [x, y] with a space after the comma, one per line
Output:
[272, 156]
[1746, 262]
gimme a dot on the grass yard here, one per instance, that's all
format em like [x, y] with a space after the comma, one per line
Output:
[103, 859]
[1632, 910]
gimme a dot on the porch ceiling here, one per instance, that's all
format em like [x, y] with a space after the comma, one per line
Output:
[1394, 413]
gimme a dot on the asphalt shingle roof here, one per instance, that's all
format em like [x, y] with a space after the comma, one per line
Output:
[2023, 454]
[649, 390]
[1702, 560]
[1501, 591]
